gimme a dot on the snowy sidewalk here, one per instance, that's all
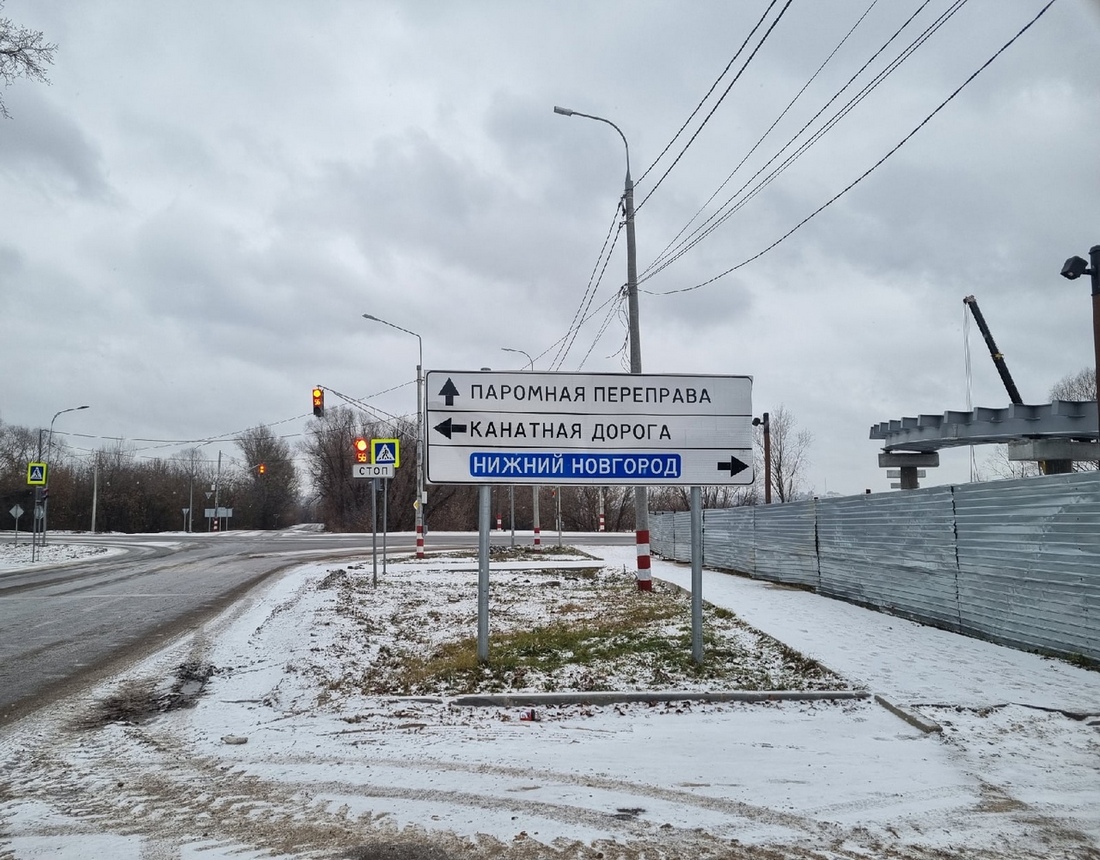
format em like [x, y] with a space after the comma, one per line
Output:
[904, 661]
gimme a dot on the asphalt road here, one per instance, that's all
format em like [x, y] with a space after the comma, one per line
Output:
[64, 627]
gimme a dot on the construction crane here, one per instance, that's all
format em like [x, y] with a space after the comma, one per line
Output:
[998, 358]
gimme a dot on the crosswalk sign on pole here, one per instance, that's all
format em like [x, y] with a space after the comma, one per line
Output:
[36, 474]
[385, 452]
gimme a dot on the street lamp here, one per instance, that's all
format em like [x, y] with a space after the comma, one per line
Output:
[766, 427]
[530, 361]
[1074, 268]
[420, 432]
[641, 496]
[49, 448]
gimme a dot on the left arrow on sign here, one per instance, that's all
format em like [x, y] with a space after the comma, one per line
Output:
[734, 466]
[448, 427]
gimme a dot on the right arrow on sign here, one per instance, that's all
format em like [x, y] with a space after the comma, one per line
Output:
[447, 428]
[448, 392]
[734, 466]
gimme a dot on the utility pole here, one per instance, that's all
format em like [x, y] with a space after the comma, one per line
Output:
[641, 494]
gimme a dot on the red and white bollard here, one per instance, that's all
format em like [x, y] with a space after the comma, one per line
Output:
[645, 583]
[601, 522]
[419, 540]
[538, 540]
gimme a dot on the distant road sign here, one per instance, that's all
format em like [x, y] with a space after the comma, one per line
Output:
[589, 429]
[36, 474]
[16, 511]
[372, 470]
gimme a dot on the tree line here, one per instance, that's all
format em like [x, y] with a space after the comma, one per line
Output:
[269, 484]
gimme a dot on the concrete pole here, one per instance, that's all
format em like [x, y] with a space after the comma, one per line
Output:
[641, 494]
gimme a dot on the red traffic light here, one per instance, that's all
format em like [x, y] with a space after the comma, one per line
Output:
[318, 402]
[362, 451]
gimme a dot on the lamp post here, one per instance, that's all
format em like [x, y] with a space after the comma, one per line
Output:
[49, 448]
[765, 426]
[641, 496]
[1074, 268]
[419, 432]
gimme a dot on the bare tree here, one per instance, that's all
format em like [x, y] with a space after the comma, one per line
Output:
[23, 54]
[1075, 386]
[789, 447]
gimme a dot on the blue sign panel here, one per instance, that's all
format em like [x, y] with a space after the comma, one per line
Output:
[574, 465]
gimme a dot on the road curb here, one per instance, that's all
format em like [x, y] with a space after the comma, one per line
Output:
[910, 716]
[614, 698]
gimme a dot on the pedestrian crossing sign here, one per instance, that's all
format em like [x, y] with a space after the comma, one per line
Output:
[36, 474]
[385, 452]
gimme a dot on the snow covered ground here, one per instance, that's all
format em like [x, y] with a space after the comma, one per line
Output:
[281, 755]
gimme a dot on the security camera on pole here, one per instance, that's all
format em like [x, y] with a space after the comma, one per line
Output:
[1074, 268]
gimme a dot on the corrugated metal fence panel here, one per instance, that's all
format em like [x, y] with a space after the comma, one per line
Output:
[1029, 562]
[728, 538]
[786, 546]
[681, 549]
[892, 551]
[670, 535]
[660, 534]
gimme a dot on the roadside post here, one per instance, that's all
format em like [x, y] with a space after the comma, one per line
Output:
[577, 429]
[377, 471]
[16, 512]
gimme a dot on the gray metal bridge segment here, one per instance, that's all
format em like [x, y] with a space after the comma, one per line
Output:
[1066, 420]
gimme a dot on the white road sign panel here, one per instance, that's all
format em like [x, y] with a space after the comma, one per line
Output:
[537, 428]
[372, 470]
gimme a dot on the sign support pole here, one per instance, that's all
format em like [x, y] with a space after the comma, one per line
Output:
[385, 521]
[374, 530]
[697, 576]
[485, 512]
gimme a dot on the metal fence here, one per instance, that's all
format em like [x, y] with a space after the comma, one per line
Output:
[1016, 562]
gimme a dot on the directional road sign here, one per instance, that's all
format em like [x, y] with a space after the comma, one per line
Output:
[486, 427]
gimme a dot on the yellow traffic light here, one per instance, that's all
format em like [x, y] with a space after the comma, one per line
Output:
[362, 450]
[262, 468]
[318, 402]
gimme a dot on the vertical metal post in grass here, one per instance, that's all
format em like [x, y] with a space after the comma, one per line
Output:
[697, 576]
[485, 512]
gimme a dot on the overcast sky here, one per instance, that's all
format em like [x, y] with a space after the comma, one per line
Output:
[200, 207]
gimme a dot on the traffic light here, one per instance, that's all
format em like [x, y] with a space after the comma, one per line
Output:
[362, 451]
[318, 402]
[262, 468]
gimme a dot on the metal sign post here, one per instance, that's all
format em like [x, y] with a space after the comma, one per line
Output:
[697, 575]
[374, 530]
[485, 509]
[16, 512]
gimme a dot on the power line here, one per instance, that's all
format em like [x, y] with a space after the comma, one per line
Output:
[590, 291]
[762, 137]
[873, 167]
[717, 104]
[730, 207]
[713, 87]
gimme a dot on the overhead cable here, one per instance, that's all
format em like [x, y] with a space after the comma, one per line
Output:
[872, 168]
[721, 98]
